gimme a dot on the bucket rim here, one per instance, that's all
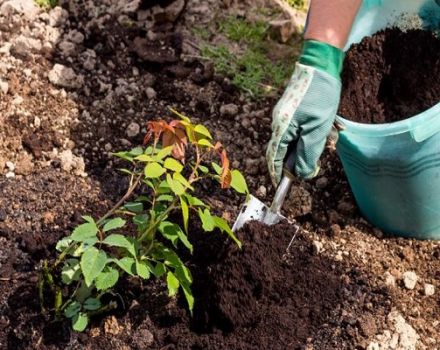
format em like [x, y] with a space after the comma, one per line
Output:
[429, 118]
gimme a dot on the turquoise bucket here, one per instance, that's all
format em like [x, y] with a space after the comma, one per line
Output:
[394, 169]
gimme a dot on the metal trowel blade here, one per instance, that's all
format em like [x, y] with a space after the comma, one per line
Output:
[255, 210]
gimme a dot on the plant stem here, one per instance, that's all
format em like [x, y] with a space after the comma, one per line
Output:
[122, 200]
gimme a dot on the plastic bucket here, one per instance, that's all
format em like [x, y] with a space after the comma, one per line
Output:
[394, 169]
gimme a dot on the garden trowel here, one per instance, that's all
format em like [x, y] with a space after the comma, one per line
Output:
[255, 210]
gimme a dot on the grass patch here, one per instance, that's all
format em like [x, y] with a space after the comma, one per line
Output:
[251, 70]
[48, 4]
[298, 4]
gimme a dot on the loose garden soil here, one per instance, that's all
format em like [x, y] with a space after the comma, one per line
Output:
[342, 285]
[391, 76]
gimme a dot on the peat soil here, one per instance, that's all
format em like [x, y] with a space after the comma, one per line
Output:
[342, 285]
[391, 76]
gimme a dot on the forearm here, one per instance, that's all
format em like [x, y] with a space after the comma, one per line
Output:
[330, 21]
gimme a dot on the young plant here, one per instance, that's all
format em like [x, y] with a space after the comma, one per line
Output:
[164, 173]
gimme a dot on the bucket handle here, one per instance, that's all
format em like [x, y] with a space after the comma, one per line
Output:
[422, 130]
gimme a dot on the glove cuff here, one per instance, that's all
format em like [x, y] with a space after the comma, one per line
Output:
[322, 56]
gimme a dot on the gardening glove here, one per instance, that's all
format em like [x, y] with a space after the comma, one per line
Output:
[303, 117]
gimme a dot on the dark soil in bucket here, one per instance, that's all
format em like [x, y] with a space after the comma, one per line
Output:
[391, 76]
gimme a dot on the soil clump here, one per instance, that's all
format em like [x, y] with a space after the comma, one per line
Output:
[391, 76]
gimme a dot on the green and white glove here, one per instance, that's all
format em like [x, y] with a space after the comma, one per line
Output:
[303, 117]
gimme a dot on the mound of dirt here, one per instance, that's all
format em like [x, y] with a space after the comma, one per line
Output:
[262, 297]
[391, 76]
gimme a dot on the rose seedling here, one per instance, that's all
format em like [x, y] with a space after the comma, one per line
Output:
[139, 236]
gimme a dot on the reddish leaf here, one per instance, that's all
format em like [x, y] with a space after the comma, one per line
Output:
[177, 138]
[226, 177]
[156, 129]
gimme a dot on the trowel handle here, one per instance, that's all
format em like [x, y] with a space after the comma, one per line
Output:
[285, 184]
[281, 193]
[289, 164]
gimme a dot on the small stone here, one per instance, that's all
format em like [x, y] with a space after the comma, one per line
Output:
[23, 46]
[111, 326]
[67, 48]
[65, 77]
[37, 122]
[390, 280]
[429, 289]
[24, 164]
[339, 256]
[10, 166]
[133, 129]
[409, 279]
[58, 16]
[4, 87]
[27, 72]
[229, 109]
[322, 182]
[261, 192]
[75, 36]
[18, 100]
[27, 8]
[48, 218]
[10, 175]
[108, 147]
[317, 247]
[151, 93]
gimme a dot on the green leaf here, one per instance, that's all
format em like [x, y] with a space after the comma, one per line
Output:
[164, 152]
[238, 182]
[203, 169]
[173, 164]
[205, 143]
[92, 304]
[200, 129]
[172, 283]
[164, 187]
[182, 180]
[185, 213]
[107, 278]
[217, 168]
[175, 186]
[124, 155]
[80, 321]
[114, 224]
[223, 225]
[117, 240]
[180, 115]
[84, 232]
[71, 271]
[127, 264]
[125, 171]
[88, 218]
[154, 170]
[164, 198]
[72, 309]
[159, 270]
[141, 221]
[142, 270]
[174, 233]
[137, 151]
[183, 274]
[92, 263]
[188, 296]
[207, 220]
[83, 292]
[134, 207]
[144, 158]
[63, 244]
[194, 201]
